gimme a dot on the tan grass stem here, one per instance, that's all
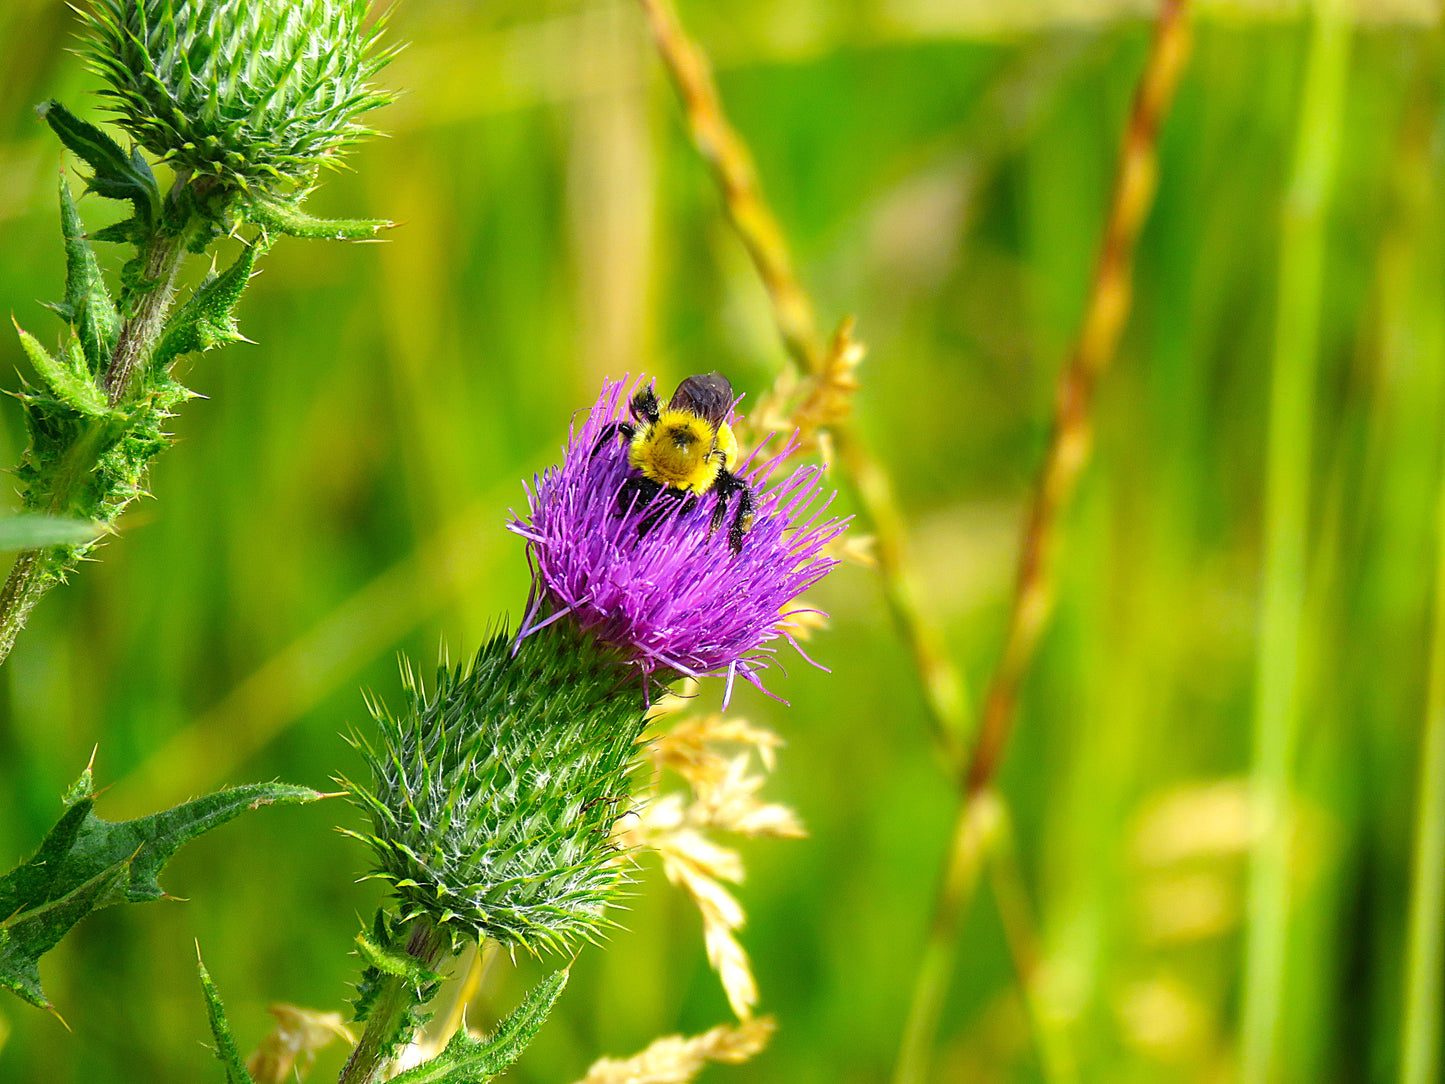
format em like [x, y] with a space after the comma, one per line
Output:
[1064, 461]
[823, 398]
[1098, 339]
[823, 402]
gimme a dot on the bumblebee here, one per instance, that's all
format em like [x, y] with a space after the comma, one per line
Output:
[682, 451]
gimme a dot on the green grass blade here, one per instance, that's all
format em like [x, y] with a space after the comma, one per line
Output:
[1425, 955]
[1277, 691]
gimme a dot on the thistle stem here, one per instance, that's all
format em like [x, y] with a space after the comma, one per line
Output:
[398, 997]
[37, 570]
[23, 588]
[163, 258]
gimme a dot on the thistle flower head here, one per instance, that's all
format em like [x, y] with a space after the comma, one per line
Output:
[666, 591]
[252, 92]
[493, 795]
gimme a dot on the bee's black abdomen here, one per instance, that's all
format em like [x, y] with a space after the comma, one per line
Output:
[654, 499]
[638, 491]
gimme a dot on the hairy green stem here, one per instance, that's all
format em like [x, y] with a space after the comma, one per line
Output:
[27, 582]
[426, 944]
[36, 571]
[138, 336]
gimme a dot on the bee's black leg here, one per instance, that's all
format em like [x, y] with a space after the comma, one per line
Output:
[610, 430]
[742, 521]
[719, 509]
[644, 406]
[726, 485]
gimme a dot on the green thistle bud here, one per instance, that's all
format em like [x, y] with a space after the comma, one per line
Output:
[493, 796]
[251, 92]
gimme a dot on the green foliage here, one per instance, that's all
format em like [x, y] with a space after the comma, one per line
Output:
[87, 459]
[116, 174]
[384, 955]
[475, 1061]
[227, 1053]
[208, 318]
[492, 796]
[87, 307]
[86, 863]
[66, 377]
[250, 98]
[396, 986]
[390, 967]
[286, 216]
[256, 94]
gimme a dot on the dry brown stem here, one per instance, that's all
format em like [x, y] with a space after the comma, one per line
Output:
[821, 398]
[1064, 460]
[818, 403]
[1069, 444]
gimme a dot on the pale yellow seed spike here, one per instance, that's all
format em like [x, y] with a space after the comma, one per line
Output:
[674, 1059]
[724, 798]
[291, 1046]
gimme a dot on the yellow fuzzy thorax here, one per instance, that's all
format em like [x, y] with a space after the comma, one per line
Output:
[683, 451]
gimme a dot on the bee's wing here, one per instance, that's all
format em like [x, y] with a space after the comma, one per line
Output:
[709, 396]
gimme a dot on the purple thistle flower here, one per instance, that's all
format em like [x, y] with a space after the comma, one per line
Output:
[674, 600]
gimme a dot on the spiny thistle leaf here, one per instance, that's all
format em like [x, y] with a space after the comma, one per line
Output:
[493, 796]
[86, 459]
[256, 93]
[88, 307]
[67, 381]
[475, 1061]
[284, 216]
[208, 319]
[26, 937]
[227, 1053]
[372, 978]
[392, 968]
[117, 175]
[383, 956]
[127, 231]
[29, 530]
[86, 863]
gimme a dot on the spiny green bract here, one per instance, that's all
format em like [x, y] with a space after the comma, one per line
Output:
[252, 92]
[86, 458]
[494, 795]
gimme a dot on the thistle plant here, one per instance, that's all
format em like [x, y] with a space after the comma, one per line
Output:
[244, 101]
[256, 96]
[498, 796]
[494, 795]
[501, 801]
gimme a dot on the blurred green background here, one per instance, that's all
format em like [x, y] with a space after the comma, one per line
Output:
[942, 170]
